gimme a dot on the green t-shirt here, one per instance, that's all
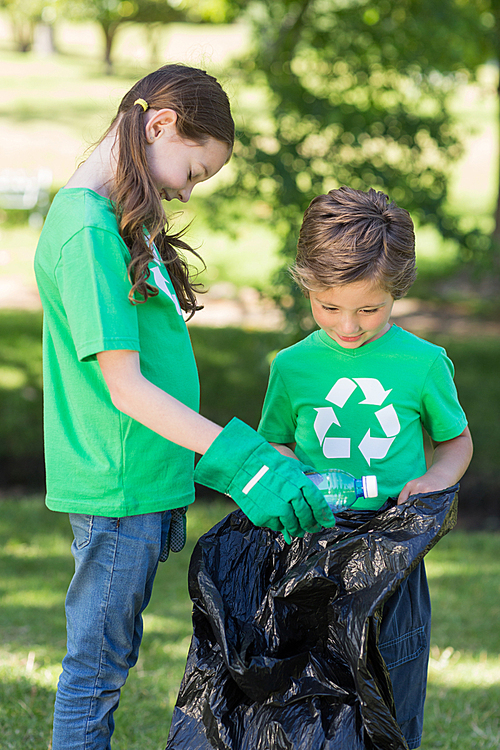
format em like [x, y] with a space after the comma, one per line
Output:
[98, 460]
[361, 410]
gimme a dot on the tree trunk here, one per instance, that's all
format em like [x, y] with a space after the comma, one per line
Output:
[495, 249]
[43, 42]
[109, 29]
[23, 32]
[153, 36]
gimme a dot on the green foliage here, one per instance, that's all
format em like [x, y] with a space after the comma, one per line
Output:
[350, 93]
[111, 14]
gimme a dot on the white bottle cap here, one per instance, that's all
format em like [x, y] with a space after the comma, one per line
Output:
[370, 487]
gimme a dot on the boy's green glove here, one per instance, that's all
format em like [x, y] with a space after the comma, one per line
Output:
[270, 488]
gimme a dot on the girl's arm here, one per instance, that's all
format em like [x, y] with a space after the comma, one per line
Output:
[449, 463]
[140, 399]
[240, 463]
[285, 449]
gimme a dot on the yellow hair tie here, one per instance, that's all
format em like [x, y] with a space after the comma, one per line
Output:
[143, 104]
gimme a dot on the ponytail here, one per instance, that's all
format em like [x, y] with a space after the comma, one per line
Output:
[203, 112]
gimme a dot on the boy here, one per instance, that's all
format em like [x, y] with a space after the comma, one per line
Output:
[355, 394]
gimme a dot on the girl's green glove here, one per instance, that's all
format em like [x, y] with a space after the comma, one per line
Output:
[271, 489]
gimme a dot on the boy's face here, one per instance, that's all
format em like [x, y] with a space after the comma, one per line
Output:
[353, 314]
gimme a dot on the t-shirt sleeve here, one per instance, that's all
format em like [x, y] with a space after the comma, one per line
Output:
[278, 421]
[442, 414]
[94, 286]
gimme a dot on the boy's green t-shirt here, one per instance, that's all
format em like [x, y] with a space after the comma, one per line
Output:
[362, 410]
[98, 460]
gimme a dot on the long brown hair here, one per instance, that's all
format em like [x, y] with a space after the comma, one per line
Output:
[348, 235]
[203, 112]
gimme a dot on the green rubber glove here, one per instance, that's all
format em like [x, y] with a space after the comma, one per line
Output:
[270, 488]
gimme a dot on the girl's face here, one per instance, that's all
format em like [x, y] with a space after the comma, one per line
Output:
[177, 165]
[353, 314]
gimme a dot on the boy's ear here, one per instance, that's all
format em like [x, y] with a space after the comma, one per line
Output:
[160, 122]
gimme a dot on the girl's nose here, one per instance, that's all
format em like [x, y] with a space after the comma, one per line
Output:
[184, 195]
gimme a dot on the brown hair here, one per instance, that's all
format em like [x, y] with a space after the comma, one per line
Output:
[349, 235]
[203, 112]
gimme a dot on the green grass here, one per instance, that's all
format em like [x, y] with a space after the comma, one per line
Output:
[464, 679]
[35, 569]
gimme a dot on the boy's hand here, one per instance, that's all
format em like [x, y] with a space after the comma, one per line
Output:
[271, 489]
[421, 485]
[449, 463]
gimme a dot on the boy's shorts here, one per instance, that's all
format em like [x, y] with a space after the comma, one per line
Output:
[404, 643]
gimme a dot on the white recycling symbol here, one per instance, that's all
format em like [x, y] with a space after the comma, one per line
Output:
[370, 447]
[161, 282]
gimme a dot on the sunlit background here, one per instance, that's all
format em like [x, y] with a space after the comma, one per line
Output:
[400, 95]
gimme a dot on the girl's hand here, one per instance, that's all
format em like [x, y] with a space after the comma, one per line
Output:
[271, 489]
[281, 498]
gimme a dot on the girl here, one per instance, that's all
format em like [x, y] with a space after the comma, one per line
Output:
[121, 388]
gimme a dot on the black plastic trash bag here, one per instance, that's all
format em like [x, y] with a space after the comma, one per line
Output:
[284, 654]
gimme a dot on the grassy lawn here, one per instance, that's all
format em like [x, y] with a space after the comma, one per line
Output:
[36, 566]
[35, 569]
[464, 683]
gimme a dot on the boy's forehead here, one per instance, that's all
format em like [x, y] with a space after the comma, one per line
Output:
[357, 293]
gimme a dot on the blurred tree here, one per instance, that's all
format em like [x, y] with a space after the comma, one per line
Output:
[480, 43]
[111, 14]
[152, 14]
[354, 92]
[24, 15]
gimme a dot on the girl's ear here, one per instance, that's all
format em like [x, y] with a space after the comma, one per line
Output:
[160, 122]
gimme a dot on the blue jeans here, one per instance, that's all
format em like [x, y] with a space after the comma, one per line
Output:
[115, 565]
[404, 643]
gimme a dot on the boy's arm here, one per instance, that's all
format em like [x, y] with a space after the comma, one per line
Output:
[449, 463]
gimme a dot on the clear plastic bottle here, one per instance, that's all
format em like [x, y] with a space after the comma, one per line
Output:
[341, 490]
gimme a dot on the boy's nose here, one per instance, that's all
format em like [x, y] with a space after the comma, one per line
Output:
[349, 325]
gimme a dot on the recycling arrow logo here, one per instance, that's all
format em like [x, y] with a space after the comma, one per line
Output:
[371, 447]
